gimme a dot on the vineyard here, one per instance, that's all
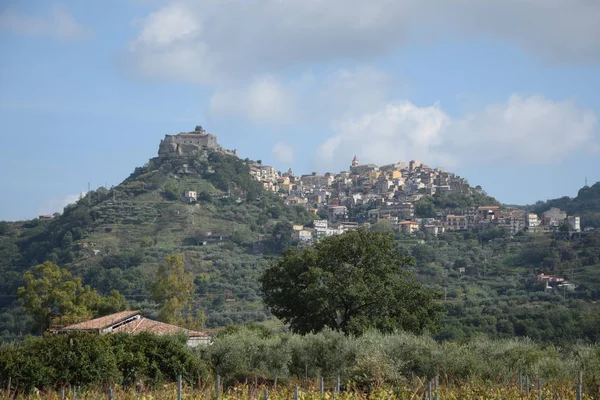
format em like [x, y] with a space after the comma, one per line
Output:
[310, 391]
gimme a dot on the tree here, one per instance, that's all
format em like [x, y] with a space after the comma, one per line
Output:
[350, 282]
[425, 209]
[51, 291]
[172, 289]
[382, 225]
[281, 237]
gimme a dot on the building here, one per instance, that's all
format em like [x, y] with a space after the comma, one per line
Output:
[574, 223]
[303, 235]
[190, 196]
[553, 217]
[408, 226]
[456, 222]
[295, 201]
[133, 322]
[338, 212]
[548, 279]
[187, 143]
[487, 213]
[531, 222]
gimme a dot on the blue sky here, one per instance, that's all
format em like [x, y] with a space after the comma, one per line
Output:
[503, 93]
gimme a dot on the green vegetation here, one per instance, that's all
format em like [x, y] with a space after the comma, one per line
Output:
[351, 282]
[116, 239]
[172, 290]
[51, 292]
[367, 363]
[586, 205]
[490, 285]
[89, 360]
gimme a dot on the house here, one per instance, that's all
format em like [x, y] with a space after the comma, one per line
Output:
[338, 211]
[408, 226]
[456, 222]
[434, 229]
[547, 279]
[133, 322]
[553, 217]
[190, 196]
[487, 213]
[295, 201]
[574, 223]
[303, 235]
[531, 221]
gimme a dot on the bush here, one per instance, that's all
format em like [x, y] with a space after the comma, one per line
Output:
[90, 360]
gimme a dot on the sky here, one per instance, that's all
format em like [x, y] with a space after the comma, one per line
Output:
[502, 92]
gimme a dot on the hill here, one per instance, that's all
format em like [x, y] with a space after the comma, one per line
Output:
[115, 238]
[203, 201]
[586, 204]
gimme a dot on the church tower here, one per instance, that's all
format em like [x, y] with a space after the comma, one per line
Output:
[355, 162]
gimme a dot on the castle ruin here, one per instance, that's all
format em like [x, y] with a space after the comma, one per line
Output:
[189, 143]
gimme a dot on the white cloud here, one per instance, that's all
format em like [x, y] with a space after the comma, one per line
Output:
[265, 100]
[58, 204]
[221, 39]
[59, 24]
[308, 98]
[524, 130]
[399, 131]
[284, 153]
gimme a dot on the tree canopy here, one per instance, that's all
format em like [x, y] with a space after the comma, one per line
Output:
[51, 292]
[351, 283]
[172, 289]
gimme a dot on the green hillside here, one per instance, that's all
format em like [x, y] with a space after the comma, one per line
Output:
[115, 238]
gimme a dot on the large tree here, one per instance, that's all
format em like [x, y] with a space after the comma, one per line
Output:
[52, 292]
[351, 282]
[173, 289]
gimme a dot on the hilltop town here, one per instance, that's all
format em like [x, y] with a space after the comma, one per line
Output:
[392, 193]
[397, 195]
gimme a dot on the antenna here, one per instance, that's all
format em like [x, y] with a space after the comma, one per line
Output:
[89, 193]
[586, 181]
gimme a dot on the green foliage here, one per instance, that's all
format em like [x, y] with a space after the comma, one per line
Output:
[172, 191]
[90, 360]
[586, 205]
[425, 209]
[462, 200]
[351, 283]
[374, 359]
[172, 289]
[52, 292]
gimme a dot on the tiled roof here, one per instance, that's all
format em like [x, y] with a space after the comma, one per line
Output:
[102, 322]
[160, 328]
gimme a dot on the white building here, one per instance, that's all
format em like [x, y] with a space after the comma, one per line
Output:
[574, 223]
[190, 196]
[531, 221]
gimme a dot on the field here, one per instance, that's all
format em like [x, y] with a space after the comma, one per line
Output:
[310, 391]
